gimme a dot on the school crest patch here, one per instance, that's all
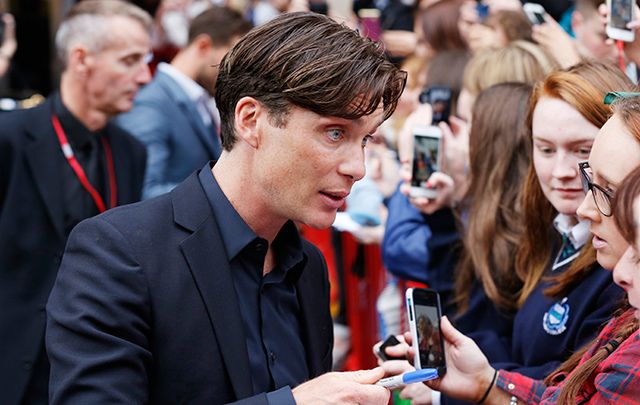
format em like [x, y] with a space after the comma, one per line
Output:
[556, 318]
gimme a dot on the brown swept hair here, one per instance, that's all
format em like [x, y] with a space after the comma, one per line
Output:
[625, 220]
[220, 23]
[499, 152]
[309, 61]
[583, 86]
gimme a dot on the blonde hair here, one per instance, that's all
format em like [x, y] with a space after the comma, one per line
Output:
[520, 61]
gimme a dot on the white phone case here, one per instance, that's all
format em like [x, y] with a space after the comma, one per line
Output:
[411, 316]
[618, 33]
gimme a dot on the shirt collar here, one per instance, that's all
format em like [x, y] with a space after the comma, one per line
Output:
[194, 91]
[578, 234]
[76, 132]
[237, 235]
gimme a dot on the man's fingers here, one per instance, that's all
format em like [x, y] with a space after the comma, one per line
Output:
[366, 376]
[395, 367]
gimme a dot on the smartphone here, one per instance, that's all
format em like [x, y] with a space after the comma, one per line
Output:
[620, 13]
[439, 97]
[424, 313]
[534, 12]
[370, 23]
[389, 341]
[427, 144]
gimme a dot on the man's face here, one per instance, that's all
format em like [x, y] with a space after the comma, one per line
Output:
[305, 170]
[116, 73]
[592, 39]
[209, 73]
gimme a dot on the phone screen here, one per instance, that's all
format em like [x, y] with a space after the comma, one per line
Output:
[426, 314]
[439, 97]
[621, 13]
[425, 157]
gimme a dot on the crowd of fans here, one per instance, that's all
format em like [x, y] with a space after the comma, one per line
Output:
[539, 282]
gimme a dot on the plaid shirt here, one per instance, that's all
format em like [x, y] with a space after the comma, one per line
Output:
[615, 380]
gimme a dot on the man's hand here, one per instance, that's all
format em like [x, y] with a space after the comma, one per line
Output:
[353, 387]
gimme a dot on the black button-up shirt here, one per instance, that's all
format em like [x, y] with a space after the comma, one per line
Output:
[268, 304]
[89, 152]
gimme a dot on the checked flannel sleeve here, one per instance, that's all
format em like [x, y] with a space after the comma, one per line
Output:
[615, 380]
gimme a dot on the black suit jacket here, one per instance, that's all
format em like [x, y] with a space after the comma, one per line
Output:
[32, 235]
[145, 310]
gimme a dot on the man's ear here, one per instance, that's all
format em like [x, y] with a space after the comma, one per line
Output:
[248, 114]
[79, 60]
[203, 44]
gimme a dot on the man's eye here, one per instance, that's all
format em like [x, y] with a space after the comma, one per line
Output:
[131, 60]
[335, 134]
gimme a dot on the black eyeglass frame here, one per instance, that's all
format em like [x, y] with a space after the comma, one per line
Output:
[588, 185]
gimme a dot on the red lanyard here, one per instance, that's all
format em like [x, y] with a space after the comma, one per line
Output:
[75, 165]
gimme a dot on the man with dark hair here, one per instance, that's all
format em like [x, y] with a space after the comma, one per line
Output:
[172, 115]
[591, 38]
[62, 162]
[208, 294]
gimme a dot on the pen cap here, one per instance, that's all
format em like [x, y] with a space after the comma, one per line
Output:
[420, 375]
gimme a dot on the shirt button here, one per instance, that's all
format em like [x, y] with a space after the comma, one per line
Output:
[511, 387]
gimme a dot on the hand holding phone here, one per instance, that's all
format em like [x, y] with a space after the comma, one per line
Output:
[534, 12]
[424, 313]
[619, 14]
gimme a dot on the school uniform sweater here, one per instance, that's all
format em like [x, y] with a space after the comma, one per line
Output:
[547, 330]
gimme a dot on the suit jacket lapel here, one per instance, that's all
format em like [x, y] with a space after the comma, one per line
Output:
[45, 160]
[207, 136]
[205, 255]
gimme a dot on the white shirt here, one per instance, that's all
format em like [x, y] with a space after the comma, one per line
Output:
[577, 234]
